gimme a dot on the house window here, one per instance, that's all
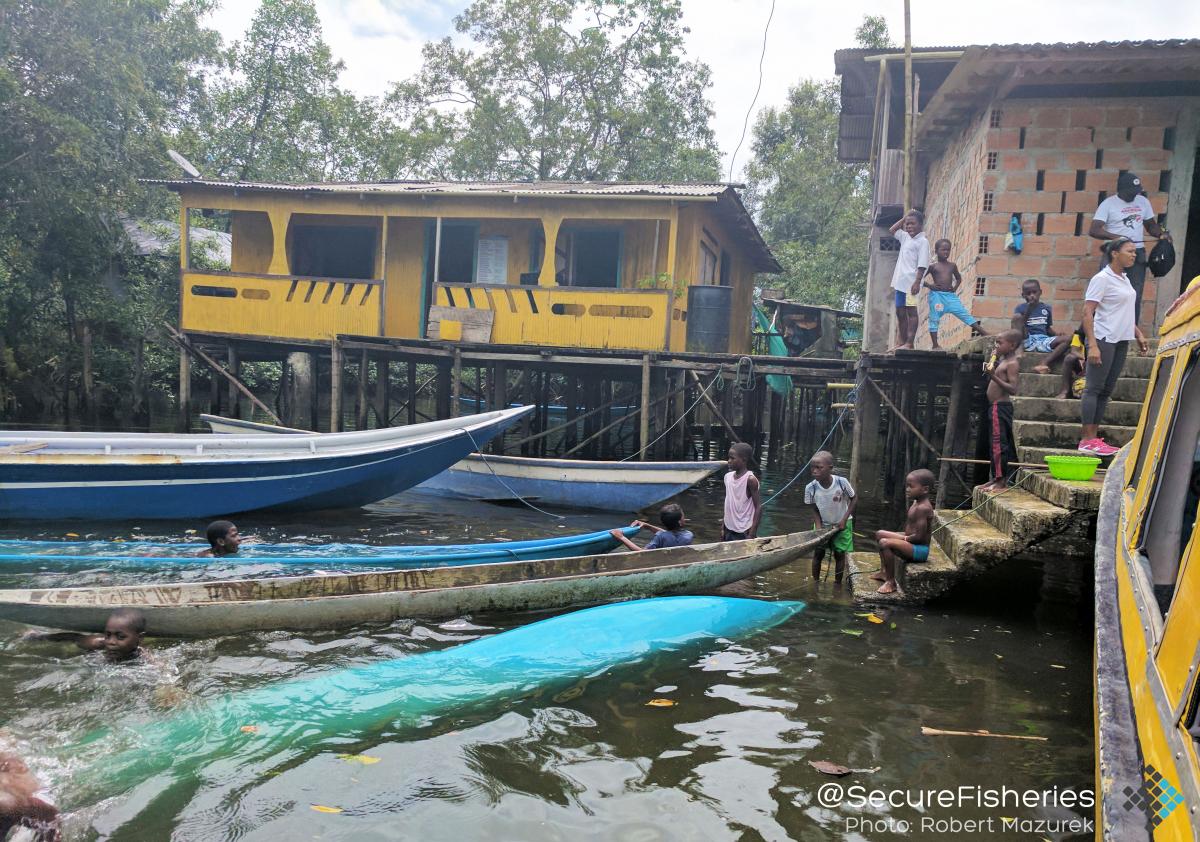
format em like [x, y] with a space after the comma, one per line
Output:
[456, 261]
[708, 265]
[983, 243]
[1171, 515]
[981, 286]
[726, 269]
[333, 251]
[889, 244]
[992, 159]
[595, 258]
[997, 115]
[989, 200]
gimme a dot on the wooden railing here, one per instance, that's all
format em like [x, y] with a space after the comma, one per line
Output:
[283, 307]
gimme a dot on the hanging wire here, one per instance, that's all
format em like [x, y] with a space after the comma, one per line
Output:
[749, 111]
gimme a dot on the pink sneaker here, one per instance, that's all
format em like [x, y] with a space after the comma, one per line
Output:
[1097, 447]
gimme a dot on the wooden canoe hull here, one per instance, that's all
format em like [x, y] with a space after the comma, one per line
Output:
[336, 600]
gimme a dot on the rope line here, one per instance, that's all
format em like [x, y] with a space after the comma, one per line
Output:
[507, 487]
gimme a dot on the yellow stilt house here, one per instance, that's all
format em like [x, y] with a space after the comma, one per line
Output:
[470, 262]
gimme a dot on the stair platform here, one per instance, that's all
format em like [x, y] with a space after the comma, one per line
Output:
[1063, 435]
[1069, 494]
[1135, 364]
[1048, 385]
[973, 543]
[919, 583]
[1065, 411]
[1037, 455]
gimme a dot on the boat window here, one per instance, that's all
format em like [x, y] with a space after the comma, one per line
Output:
[1171, 516]
[1162, 377]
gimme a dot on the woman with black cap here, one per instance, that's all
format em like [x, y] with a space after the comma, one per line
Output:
[1109, 321]
[1129, 214]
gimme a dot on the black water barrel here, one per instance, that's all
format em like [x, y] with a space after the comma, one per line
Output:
[710, 309]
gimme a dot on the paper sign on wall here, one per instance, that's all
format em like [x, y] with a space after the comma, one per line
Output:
[491, 264]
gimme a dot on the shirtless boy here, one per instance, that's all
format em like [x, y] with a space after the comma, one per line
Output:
[223, 539]
[911, 545]
[1002, 386]
[944, 281]
[120, 642]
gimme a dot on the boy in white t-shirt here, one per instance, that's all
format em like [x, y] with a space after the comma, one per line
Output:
[833, 501]
[911, 265]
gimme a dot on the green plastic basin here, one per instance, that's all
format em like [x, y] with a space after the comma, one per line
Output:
[1081, 468]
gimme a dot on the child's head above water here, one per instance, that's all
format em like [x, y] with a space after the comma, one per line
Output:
[671, 516]
[919, 484]
[1008, 342]
[123, 633]
[942, 249]
[223, 537]
[822, 465]
[740, 455]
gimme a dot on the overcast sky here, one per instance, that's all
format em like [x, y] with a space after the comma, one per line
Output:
[380, 40]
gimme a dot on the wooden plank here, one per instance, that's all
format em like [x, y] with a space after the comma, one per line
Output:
[644, 420]
[185, 389]
[476, 325]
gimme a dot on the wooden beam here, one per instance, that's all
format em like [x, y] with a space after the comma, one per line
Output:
[187, 348]
[335, 387]
[644, 420]
[704, 395]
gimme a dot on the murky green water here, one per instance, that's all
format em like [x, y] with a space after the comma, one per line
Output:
[1010, 654]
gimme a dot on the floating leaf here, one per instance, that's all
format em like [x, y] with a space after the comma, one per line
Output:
[1058, 666]
[249, 729]
[893, 625]
[827, 768]
[321, 808]
[853, 632]
[72, 534]
[661, 703]
[364, 759]
[872, 618]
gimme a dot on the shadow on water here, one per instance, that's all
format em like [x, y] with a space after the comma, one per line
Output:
[1008, 652]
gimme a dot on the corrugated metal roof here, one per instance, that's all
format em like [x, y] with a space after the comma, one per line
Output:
[466, 188]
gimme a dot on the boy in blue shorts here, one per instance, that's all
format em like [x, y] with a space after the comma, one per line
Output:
[943, 293]
[1035, 319]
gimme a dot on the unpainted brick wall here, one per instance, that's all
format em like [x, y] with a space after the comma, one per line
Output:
[1056, 143]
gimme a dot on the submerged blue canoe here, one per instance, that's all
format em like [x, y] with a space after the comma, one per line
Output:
[568, 483]
[122, 554]
[127, 476]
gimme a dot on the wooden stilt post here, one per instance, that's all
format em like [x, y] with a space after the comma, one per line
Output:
[644, 421]
[455, 384]
[412, 393]
[185, 392]
[500, 381]
[235, 368]
[314, 391]
[335, 387]
[360, 393]
[383, 390]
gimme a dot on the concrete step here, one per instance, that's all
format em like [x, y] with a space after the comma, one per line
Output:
[1065, 435]
[1135, 364]
[970, 541]
[1020, 515]
[1048, 385]
[1068, 494]
[1036, 455]
[918, 583]
[1066, 411]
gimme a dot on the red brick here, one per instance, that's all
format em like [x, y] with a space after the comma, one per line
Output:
[991, 264]
[1118, 159]
[1074, 139]
[1025, 266]
[1011, 161]
[1023, 180]
[1062, 267]
[993, 223]
[1147, 136]
[1084, 116]
[1080, 160]
[988, 307]
[1070, 245]
[1102, 180]
[1038, 246]
[1042, 138]
[1149, 180]
[1015, 116]
[1005, 288]
[1059, 223]
[1050, 117]
[1048, 161]
[1123, 116]
[1158, 201]
[991, 180]
[1159, 114]
[1003, 139]
[1109, 139]
[1038, 201]
[1081, 202]
[1059, 181]
[1148, 159]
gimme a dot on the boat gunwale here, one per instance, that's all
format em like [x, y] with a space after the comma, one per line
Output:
[281, 589]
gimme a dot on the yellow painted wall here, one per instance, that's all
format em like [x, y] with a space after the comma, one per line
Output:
[252, 242]
[403, 276]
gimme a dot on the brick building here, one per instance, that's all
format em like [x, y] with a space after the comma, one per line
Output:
[1039, 131]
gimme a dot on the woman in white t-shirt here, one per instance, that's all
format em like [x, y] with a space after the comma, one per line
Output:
[1109, 321]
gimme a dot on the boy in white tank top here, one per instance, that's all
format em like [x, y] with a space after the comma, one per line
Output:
[743, 502]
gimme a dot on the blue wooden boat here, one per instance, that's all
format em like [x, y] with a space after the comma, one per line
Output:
[145, 554]
[570, 483]
[55, 475]
[554, 410]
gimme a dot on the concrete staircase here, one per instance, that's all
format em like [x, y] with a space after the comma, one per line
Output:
[1040, 516]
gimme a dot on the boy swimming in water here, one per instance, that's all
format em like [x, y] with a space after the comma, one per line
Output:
[911, 545]
[22, 803]
[223, 539]
[120, 642]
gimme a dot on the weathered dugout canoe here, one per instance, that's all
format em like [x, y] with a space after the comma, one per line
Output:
[322, 601]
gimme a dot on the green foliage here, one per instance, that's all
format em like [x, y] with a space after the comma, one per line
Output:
[812, 208]
[664, 280]
[561, 89]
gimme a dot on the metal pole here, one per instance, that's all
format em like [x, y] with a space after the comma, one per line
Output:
[908, 108]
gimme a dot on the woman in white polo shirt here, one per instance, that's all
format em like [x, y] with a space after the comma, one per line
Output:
[1110, 323]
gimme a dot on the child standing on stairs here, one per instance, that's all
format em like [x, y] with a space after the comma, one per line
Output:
[1003, 378]
[911, 545]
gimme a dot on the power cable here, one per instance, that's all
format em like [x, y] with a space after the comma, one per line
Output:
[753, 102]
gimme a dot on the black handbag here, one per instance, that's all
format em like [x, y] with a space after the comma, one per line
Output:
[1162, 258]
